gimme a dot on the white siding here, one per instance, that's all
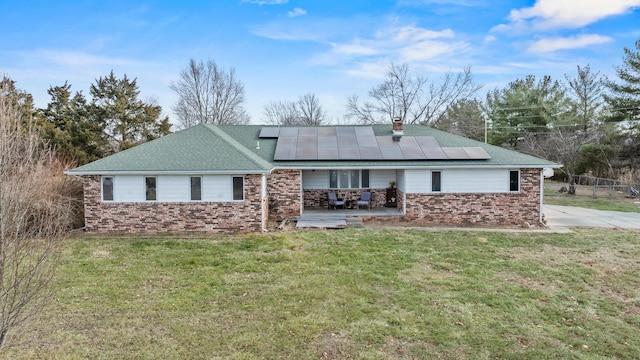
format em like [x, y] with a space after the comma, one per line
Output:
[459, 180]
[217, 188]
[379, 179]
[318, 179]
[475, 180]
[128, 188]
[173, 188]
[401, 182]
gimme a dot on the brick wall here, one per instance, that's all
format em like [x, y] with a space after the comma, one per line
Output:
[471, 208]
[219, 217]
[318, 198]
[284, 188]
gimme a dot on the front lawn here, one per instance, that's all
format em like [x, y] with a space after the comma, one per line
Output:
[346, 294]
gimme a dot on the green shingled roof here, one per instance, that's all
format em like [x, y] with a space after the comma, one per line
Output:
[202, 148]
[238, 148]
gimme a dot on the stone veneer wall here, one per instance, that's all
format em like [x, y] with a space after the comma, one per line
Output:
[314, 198]
[220, 217]
[479, 208]
[284, 188]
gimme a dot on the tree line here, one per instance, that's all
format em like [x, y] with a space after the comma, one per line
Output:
[587, 122]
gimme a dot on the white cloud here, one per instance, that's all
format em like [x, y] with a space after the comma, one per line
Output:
[297, 12]
[78, 59]
[354, 49]
[546, 14]
[575, 42]
[489, 39]
[371, 70]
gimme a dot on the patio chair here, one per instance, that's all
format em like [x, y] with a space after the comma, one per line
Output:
[333, 201]
[365, 199]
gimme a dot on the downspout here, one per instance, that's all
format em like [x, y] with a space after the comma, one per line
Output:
[541, 214]
[301, 195]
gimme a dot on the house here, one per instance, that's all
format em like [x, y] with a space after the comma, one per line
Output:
[236, 178]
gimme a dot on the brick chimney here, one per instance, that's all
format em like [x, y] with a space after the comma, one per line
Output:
[398, 127]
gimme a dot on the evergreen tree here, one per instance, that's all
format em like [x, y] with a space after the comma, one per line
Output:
[624, 105]
[126, 120]
[525, 107]
[465, 117]
[66, 126]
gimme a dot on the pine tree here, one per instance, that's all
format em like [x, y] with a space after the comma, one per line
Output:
[624, 100]
[126, 120]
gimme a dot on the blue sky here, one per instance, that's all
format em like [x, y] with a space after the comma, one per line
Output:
[282, 49]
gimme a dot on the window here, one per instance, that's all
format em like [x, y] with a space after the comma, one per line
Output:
[107, 188]
[365, 178]
[348, 179]
[150, 185]
[196, 188]
[436, 181]
[238, 188]
[514, 180]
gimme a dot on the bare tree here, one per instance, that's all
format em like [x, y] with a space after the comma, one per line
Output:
[209, 94]
[310, 110]
[35, 211]
[305, 111]
[412, 98]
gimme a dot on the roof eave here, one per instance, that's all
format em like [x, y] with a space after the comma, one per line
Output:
[165, 172]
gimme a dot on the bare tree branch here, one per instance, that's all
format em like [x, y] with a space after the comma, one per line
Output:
[209, 94]
[406, 96]
[35, 211]
[305, 111]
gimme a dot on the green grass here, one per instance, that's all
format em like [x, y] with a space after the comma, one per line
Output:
[604, 199]
[347, 294]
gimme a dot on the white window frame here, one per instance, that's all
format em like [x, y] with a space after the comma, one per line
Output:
[233, 189]
[349, 175]
[191, 188]
[432, 185]
[146, 190]
[517, 182]
[113, 187]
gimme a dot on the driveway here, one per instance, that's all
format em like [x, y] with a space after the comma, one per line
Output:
[569, 217]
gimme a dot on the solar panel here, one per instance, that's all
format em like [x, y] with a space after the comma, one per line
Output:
[327, 131]
[391, 152]
[328, 153]
[367, 141]
[434, 153]
[455, 153]
[425, 141]
[307, 148]
[270, 132]
[308, 131]
[477, 153]
[348, 153]
[410, 149]
[364, 132]
[286, 148]
[360, 143]
[370, 153]
[345, 131]
[288, 132]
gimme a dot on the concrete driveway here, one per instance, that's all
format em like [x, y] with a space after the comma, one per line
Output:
[569, 217]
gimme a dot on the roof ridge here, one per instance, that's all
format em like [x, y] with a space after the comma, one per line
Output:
[238, 146]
